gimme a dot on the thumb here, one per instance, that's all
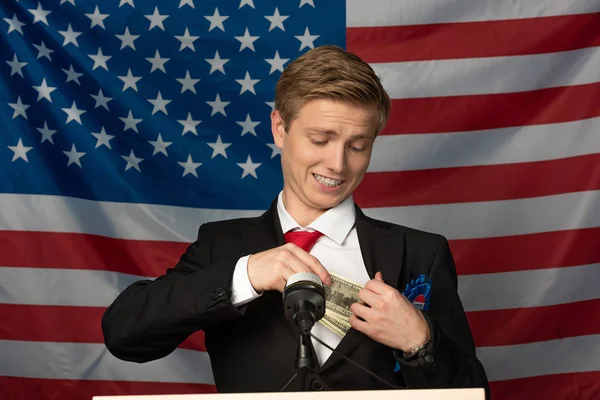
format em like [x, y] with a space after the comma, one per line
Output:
[379, 276]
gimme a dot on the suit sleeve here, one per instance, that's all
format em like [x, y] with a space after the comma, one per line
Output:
[150, 318]
[452, 362]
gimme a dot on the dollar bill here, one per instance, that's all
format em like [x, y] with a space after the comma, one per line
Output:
[338, 327]
[338, 298]
[333, 326]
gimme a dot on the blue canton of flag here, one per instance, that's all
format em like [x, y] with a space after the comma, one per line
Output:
[163, 101]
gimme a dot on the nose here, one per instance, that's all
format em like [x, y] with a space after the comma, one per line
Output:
[336, 159]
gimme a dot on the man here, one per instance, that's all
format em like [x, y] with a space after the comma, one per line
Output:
[329, 108]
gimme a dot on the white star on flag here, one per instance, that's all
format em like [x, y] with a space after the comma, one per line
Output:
[101, 100]
[218, 106]
[73, 113]
[19, 108]
[307, 40]
[20, 151]
[276, 150]
[189, 166]
[46, 133]
[14, 24]
[97, 18]
[70, 36]
[277, 63]
[99, 60]
[247, 83]
[157, 62]
[123, 2]
[159, 145]
[187, 41]
[186, 2]
[219, 147]
[247, 41]
[16, 67]
[102, 138]
[40, 15]
[44, 91]
[129, 81]
[127, 39]
[188, 83]
[43, 51]
[246, 3]
[249, 168]
[216, 20]
[159, 104]
[74, 156]
[132, 161]
[130, 122]
[309, 2]
[67, 1]
[189, 125]
[276, 20]
[217, 63]
[248, 125]
[156, 20]
[72, 75]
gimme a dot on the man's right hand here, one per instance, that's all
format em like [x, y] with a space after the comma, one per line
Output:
[270, 269]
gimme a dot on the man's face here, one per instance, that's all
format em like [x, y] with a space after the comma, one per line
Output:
[325, 154]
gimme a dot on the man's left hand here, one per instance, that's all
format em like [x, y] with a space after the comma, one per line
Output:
[388, 317]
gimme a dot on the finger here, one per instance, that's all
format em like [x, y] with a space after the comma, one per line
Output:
[379, 276]
[361, 311]
[359, 325]
[369, 297]
[313, 263]
[377, 287]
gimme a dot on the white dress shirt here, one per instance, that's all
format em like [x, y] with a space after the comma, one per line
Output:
[338, 250]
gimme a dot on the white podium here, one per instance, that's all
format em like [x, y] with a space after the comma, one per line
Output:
[423, 394]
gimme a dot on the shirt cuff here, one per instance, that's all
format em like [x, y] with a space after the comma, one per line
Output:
[242, 290]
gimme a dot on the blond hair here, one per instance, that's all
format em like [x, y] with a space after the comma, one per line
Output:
[329, 72]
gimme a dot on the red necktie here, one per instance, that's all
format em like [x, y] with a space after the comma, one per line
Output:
[303, 239]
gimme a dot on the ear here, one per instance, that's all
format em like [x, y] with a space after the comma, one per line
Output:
[277, 128]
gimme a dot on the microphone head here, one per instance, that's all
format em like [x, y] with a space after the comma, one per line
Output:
[304, 299]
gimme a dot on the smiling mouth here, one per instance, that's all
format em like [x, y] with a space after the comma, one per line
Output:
[328, 181]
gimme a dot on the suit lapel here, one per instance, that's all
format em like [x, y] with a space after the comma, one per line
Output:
[266, 233]
[382, 248]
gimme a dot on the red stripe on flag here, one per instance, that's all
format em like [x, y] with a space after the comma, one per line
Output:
[63, 324]
[17, 388]
[492, 111]
[526, 252]
[474, 39]
[91, 252]
[579, 385]
[522, 325]
[479, 183]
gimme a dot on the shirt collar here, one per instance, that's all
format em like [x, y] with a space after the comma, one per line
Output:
[336, 223]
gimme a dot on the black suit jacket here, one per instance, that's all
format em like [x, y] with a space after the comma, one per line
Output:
[253, 347]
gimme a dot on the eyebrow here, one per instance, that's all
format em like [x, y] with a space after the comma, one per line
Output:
[334, 133]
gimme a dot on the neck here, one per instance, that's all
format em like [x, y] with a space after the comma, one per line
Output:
[300, 212]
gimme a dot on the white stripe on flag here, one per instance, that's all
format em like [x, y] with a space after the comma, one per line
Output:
[118, 220]
[62, 287]
[361, 13]
[490, 147]
[534, 288]
[90, 361]
[155, 222]
[499, 218]
[488, 75]
[560, 356]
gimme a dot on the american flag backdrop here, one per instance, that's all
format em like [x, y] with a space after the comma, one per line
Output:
[125, 124]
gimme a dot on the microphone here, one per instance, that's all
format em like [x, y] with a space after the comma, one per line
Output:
[304, 300]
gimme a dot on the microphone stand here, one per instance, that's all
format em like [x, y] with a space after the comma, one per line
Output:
[305, 364]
